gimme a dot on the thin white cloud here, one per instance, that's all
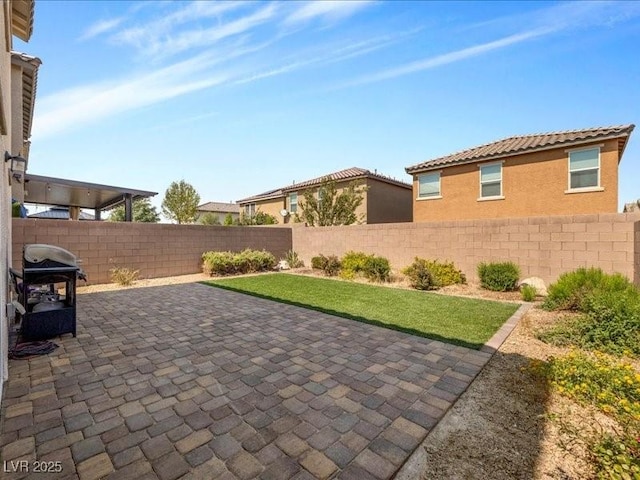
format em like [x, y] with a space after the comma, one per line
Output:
[328, 10]
[563, 17]
[451, 57]
[330, 56]
[161, 37]
[100, 27]
[87, 104]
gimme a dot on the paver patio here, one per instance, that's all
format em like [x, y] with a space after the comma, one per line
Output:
[188, 381]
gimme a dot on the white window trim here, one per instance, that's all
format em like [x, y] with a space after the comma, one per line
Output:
[291, 204]
[597, 188]
[432, 197]
[494, 197]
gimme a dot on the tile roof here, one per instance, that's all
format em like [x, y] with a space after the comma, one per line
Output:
[352, 173]
[521, 144]
[219, 207]
[60, 213]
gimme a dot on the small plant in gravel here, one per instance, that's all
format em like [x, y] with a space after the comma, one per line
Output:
[377, 269]
[123, 276]
[528, 293]
[499, 276]
[293, 260]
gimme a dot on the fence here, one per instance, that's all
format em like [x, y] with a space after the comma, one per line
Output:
[542, 246]
[157, 250]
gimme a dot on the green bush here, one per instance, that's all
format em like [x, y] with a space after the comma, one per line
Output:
[293, 259]
[218, 263]
[573, 289]
[319, 262]
[331, 266]
[420, 276]
[528, 293]
[440, 274]
[611, 324]
[377, 269]
[499, 276]
[354, 262]
[247, 261]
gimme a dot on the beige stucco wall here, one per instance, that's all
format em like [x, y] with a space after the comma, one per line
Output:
[17, 140]
[382, 203]
[541, 246]
[387, 203]
[533, 184]
[5, 189]
[157, 250]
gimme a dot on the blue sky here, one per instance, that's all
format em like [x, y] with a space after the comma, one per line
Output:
[240, 97]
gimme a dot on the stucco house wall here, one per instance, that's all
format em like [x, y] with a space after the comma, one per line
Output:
[533, 184]
[388, 203]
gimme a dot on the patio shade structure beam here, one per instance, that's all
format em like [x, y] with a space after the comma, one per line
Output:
[62, 192]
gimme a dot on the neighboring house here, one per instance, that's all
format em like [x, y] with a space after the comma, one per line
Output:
[220, 209]
[16, 108]
[557, 173]
[60, 213]
[386, 199]
[631, 207]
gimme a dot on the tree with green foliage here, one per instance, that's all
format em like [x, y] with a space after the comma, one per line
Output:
[143, 212]
[228, 220]
[259, 218]
[209, 218]
[180, 202]
[325, 205]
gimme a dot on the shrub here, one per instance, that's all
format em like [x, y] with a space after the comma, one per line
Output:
[247, 261]
[377, 269]
[528, 292]
[614, 388]
[611, 385]
[318, 263]
[291, 257]
[499, 276]
[354, 262]
[123, 276]
[331, 266]
[420, 276]
[573, 289]
[218, 263]
[440, 274]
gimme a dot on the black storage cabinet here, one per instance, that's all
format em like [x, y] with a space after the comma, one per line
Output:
[49, 323]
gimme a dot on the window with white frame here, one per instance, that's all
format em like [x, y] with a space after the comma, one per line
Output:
[584, 168]
[250, 209]
[293, 202]
[429, 185]
[491, 180]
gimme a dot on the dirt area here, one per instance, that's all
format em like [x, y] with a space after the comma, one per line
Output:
[503, 426]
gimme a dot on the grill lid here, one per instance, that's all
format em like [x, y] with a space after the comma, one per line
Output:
[40, 252]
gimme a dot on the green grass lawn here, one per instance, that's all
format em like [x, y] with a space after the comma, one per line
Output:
[462, 321]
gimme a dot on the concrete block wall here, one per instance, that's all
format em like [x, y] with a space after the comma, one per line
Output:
[541, 246]
[637, 253]
[157, 250]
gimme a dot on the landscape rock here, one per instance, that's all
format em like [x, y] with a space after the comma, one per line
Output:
[536, 282]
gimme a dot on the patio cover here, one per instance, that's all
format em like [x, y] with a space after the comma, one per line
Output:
[72, 193]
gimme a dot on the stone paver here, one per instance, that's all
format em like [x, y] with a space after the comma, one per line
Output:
[191, 381]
